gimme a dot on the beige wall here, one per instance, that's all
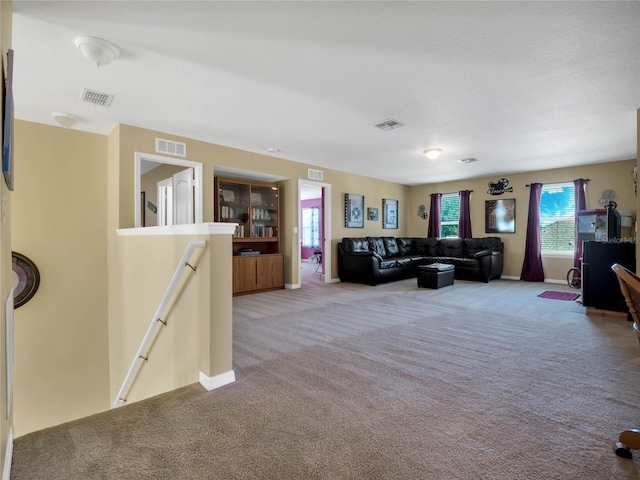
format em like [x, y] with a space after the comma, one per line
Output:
[198, 334]
[6, 279]
[133, 139]
[59, 210]
[612, 175]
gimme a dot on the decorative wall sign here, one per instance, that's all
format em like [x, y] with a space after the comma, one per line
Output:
[26, 279]
[499, 187]
[152, 207]
[500, 216]
[372, 214]
[353, 210]
[389, 213]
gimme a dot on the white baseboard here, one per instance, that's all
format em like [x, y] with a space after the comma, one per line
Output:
[8, 456]
[546, 280]
[292, 286]
[217, 381]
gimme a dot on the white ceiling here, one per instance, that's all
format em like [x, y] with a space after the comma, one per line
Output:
[518, 85]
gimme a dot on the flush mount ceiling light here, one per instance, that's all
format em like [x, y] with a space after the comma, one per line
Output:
[433, 153]
[97, 51]
[65, 119]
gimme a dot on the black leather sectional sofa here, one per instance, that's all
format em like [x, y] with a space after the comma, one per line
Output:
[373, 260]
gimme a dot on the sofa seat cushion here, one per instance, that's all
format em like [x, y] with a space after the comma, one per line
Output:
[391, 263]
[404, 262]
[463, 262]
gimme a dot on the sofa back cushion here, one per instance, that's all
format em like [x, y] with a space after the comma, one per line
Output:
[376, 245]
[355, 244]
[451, 247]
[391, 247]
[475, 245]
[406, 246]
[427, 246]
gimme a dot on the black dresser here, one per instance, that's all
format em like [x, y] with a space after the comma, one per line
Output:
[600, 287]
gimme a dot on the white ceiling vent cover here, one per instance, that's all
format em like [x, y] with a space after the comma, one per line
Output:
[388, 124]
[315, 174]
[468, 160]
[172, 148]
[96, 98]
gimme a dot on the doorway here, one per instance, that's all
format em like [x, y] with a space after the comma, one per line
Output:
[186, 182]
[314, 221]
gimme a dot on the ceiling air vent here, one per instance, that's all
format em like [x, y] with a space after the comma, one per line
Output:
[96, 98]
[315, 174]
[468, 160]
[388, 124]
[172, 148]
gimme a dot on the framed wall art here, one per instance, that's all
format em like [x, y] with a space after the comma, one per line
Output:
[389, 213]
[372, 214]
[353, 210]
[500, 216]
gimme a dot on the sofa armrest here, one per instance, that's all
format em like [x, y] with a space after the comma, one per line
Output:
[482, 253]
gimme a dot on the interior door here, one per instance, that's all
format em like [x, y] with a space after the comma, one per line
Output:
[183, 197]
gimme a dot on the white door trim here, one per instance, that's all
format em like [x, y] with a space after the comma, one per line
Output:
[326, 211]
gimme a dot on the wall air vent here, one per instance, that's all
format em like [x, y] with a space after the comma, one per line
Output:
[96, 98]
[171, 148]
[468, 160]
[388, 124]
[315, 174]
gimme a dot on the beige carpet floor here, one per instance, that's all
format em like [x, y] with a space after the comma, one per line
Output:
[345, 381]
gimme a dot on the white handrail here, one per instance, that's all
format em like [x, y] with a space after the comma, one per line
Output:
[143, 351]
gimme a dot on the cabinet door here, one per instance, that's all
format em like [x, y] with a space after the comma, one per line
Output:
[270, 272]
[244, 274]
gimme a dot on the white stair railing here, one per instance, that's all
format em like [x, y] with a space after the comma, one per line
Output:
[142, 355]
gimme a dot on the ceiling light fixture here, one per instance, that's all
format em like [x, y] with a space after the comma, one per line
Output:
[433, 153]
[97, 51]
[65, 119]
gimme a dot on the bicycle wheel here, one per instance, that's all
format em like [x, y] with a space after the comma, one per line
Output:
[573, 278]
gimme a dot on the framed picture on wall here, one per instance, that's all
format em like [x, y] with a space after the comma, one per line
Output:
[372, 214]
[389, 213]
[500, 216]
[353, 210]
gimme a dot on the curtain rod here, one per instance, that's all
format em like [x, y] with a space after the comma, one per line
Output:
[451, 193]
[554, 183]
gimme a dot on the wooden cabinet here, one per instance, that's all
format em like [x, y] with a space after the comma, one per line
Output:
[254, 206]
[257, 273]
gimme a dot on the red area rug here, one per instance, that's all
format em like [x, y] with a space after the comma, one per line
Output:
[559, 295]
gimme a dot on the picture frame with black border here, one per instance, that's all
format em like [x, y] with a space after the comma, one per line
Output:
[353, 210]
[389, 213]
[500, 216]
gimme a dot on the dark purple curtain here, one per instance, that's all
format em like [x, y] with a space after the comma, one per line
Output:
[464, 220]
[532, 266]
[581, 204]
[434, 215]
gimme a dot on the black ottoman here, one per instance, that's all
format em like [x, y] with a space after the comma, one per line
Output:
[435, 275]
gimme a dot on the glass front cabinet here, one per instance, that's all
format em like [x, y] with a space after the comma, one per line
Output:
[257, 262]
